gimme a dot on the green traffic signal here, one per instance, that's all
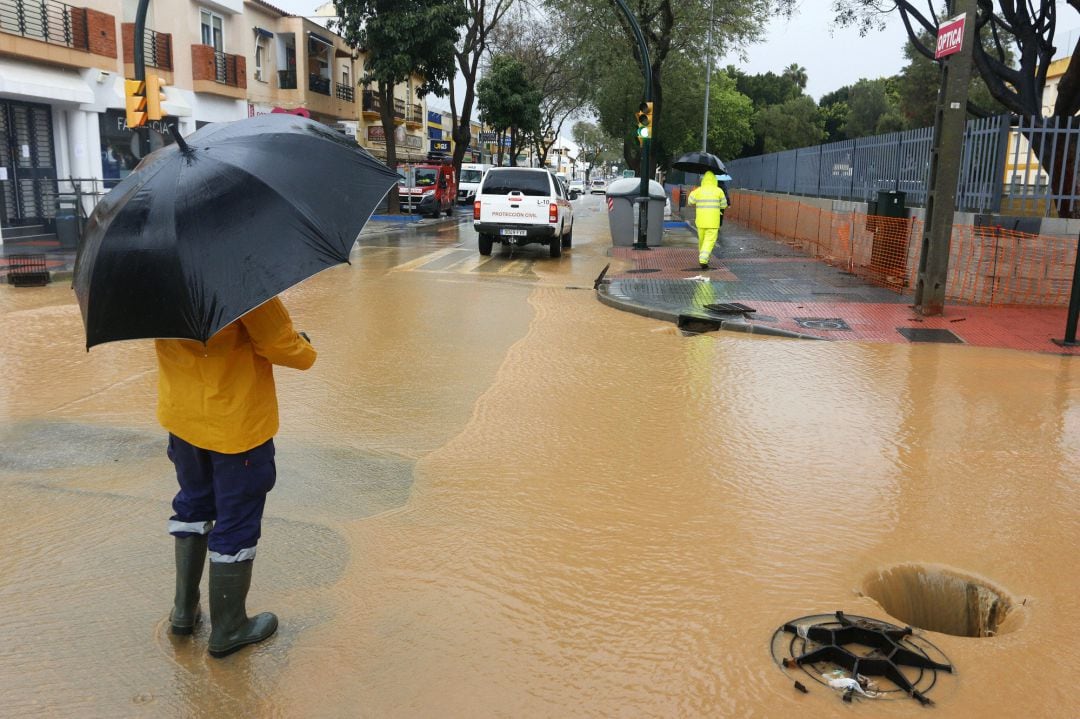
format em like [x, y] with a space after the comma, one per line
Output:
[644, 120]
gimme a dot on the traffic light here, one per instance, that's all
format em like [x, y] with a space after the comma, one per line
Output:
[135, 94]
[644, 121]
[154, 97]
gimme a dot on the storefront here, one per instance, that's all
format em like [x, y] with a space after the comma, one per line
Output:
[120, 148]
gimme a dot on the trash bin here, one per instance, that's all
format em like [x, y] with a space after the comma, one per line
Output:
[621, 196]
[891, 203]
[67, 223]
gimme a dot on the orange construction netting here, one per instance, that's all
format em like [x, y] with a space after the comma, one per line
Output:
[987, 265]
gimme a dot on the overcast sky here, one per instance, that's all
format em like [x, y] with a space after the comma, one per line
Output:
[832, 57]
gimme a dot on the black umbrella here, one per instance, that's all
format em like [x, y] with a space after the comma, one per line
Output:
[209, 228]
[699, 163]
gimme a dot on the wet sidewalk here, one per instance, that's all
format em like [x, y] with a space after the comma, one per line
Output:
[761, 286]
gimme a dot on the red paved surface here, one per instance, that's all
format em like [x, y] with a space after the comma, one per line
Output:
[1008, 327]
[672, 263]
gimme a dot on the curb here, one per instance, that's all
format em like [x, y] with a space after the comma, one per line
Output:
[706, 323]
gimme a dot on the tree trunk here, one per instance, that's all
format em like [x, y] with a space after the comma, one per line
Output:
[386, 113]
[513, 147]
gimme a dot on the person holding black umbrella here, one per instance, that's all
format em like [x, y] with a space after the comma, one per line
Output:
[217, 401]
[192, 250]
[711, 203]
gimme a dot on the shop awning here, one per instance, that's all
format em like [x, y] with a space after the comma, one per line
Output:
[263, 33]
[24, 79]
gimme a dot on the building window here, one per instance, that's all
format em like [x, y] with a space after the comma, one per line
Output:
[260, 58]
[213, 30]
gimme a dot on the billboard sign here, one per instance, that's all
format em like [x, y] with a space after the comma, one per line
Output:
[950, 37]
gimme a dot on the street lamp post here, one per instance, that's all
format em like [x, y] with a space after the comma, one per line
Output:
[643, 192]
[708, 80]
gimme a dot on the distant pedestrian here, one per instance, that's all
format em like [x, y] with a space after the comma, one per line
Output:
[711, 203]
[219, 405]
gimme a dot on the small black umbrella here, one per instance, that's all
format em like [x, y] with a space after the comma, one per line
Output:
[207, 229]
[699, 163]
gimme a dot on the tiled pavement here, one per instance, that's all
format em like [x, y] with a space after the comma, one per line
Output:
[796, 296]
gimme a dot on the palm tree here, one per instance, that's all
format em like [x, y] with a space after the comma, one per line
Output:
[797, 74]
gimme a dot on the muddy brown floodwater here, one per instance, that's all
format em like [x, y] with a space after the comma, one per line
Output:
[502, 498]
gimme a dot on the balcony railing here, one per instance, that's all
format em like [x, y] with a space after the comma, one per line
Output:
[399, 108]
[345, 92]
[414, 114]
[157, 50]
[46, 20]
[319, 84]
[286, 79]
[371, 102]
[225, 70]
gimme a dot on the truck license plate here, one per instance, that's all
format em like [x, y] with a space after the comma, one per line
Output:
[517, 233]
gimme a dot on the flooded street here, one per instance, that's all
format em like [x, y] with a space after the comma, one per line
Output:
[498, 497]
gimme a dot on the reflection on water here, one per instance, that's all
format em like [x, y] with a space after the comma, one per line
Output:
[507, 499]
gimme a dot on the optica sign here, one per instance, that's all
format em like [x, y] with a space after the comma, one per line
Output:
[950, 37]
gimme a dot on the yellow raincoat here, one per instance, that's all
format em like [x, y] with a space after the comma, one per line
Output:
[710, 202]
[220, 396]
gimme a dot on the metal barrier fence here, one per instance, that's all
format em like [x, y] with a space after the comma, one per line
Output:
[988, 265]
[1012, 165]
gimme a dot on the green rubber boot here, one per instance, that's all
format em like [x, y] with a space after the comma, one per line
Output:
[190, 559]
[230, 627]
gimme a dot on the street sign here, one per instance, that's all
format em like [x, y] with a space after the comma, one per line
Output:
[487, 137]
[950, 37]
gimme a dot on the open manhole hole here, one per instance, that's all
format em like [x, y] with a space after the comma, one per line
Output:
[940, 599]
[858, 657]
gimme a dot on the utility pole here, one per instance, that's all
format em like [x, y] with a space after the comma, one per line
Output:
[948, 144]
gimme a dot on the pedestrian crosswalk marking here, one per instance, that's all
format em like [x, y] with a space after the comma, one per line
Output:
[459, 260]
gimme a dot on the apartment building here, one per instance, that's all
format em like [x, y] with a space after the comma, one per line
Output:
[62, 108]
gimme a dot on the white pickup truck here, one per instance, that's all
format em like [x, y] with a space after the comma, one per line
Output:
[522, 205]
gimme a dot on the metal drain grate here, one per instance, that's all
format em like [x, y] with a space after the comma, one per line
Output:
[844, 651]
[27, 270]
[920, 334]
[822, 323]
[730, 308]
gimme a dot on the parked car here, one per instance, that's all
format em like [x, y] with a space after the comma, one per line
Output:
[577, 186]
[522, 205]
[597, 186]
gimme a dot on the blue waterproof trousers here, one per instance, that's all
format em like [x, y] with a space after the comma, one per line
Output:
[222, 495]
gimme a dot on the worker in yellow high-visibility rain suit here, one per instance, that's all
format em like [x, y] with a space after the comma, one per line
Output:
[710, 202]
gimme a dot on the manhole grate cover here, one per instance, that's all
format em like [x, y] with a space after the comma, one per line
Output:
[919, 334]
[846, 652]
[822, 323]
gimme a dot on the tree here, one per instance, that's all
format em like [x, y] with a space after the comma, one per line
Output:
[868, 103]
[789, 125]
[529, 39]
[509, 103]
[920, 80]
[595, 145]
[402, 38]
[481, 19]
[1002, 25]
[764, 90]
[603, 37]
[797, 74]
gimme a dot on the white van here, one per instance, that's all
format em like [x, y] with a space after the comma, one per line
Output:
[471, 175]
